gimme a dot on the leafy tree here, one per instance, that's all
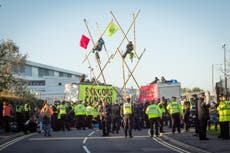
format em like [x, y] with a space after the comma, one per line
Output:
[10, 58]
[197, 90]
[186, 90]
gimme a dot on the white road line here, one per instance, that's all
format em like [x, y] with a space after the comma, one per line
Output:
[172, 147]
[91, 133]
[55, 138]
[85, 139]
[3, 146]
[86, 149]
[84, 142]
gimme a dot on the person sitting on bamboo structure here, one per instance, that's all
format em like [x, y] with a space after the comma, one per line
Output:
[129, 49]
[99, 45]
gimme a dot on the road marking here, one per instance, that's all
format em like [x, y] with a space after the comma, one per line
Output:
[80, 138]
[84, 141]
[177, 149]
[3, 146]
[56, 138]
[172, 147]
[91, 133]
[86, 149]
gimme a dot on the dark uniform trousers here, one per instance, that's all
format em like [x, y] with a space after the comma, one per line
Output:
[154, 121]
[89, 119]
[175, 122]
[64, 122]
[80, 122]
[224, 130]
[105, 126]
[116, 124]
[203, 128]
[128, 124]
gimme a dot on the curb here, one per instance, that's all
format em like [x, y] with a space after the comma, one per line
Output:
[183, 145]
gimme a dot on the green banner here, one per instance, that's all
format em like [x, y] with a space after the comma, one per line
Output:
[92, 94]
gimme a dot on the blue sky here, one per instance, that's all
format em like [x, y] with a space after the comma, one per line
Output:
[182, 38]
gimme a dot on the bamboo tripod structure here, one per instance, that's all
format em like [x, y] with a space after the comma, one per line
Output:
[111, 57]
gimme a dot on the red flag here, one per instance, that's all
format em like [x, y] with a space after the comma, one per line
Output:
[84, 41]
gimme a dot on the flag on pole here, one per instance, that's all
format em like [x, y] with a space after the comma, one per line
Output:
[111, 29]
[84, 41]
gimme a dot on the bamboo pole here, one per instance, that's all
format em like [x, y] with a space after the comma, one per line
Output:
[104, 44]
[135, 41]
[133, 69]
[92, 72]
[92, 39]
[126, 34]
[129, 69]
[123, 72]
[98, 62]
[114, 54]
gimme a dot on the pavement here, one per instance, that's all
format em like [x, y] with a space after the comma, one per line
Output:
[188, 141]
[185, 140]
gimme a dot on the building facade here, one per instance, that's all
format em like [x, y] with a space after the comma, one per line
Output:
[44, 81]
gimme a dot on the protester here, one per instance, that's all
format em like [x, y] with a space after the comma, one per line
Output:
[203, 116]
[46, 113]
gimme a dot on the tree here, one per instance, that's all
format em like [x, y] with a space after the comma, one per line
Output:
[197, 90]
[10, 58]
[186, 90]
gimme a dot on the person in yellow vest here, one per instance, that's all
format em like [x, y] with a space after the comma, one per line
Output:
[126, 113]
[62, 112]
[19, 116]
[80, 113]
[175, 111]
[54, 117]
[26, 111]
[153, 111]
[162, 116]
[89, 116]
[224, 117]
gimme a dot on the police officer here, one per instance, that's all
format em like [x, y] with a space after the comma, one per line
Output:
[127, 112]
[26, 111]
[80, 113]
[54, 117]
[89, 116]
[115, 117]
[136, 116]
[175, 111]
[62, 109]
[19, 116]
[224, 117]
[153, 111]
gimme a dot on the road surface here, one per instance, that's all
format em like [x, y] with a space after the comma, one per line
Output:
[87, 141]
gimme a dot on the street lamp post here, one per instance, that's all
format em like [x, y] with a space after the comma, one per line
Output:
[213, 75]
[225, 73]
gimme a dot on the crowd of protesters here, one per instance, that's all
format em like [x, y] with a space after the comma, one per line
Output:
[175, 113]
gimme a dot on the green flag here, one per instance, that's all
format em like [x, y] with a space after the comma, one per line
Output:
[111, 29]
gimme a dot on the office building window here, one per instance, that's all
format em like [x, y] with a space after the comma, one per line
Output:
[23, 69]
[36, 83]
[45, 72]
